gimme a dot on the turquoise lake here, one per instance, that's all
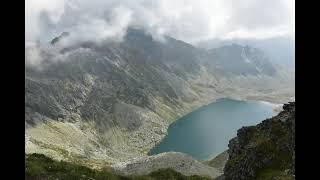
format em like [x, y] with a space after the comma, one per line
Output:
[206, 132]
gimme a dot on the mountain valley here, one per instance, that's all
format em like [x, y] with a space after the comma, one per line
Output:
[109, 103]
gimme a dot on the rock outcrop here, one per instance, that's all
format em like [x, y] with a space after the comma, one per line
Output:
[264, 151]
[57, 39]
[179, 162]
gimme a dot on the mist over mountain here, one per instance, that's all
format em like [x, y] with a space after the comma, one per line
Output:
[187, 20]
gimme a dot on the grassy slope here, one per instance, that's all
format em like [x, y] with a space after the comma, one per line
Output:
[219, 161]
[39, 166]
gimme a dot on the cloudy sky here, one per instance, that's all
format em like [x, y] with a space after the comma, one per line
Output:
[188, 20]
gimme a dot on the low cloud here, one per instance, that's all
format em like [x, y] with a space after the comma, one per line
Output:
[187, 20]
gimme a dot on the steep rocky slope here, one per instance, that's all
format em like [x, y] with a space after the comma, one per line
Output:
[109, 102]
[265, 151]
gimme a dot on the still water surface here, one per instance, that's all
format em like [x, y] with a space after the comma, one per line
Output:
[206, 132]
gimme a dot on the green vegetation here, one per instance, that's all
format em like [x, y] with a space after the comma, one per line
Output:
[235, 161]
[169, 174]
[39, 166]
[272, 148]
[219, 161]
[267, 173]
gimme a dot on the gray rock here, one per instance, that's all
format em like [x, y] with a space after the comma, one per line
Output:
[177, 161]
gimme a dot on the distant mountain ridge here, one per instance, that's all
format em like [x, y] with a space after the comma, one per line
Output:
[281, 50]
[242, 60]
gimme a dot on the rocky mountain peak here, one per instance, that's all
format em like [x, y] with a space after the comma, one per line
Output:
[58, 38]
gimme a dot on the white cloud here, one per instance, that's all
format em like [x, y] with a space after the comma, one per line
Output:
[32, 55]
[98, 29]
[33, 10]
[188, 20]
[261, 19]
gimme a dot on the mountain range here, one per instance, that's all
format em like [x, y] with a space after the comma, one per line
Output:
[110, 102]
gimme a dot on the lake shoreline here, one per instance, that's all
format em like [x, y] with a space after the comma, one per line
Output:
[265, 103]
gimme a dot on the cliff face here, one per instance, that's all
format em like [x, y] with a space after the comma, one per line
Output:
[265, 151]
